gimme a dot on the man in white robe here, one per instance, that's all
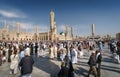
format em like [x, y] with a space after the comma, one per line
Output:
[74, 56]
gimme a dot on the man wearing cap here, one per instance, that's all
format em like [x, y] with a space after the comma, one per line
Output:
[98, 62]
[92, 64]
[27, 49]
[26, 65]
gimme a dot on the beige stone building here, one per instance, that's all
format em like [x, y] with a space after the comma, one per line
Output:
[118, 36]
[12, 35]
[51, 35]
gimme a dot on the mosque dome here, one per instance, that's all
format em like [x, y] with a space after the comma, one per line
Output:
[62, 33]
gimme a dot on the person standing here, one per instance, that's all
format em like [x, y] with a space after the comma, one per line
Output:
[26, 65]
[62, 53]
[36, 49]
[22, 53]
[55, 51]
[14, 62]
[74, 55]
[0, 59]
[27, 49]
[51, 52]
[98, 62]
[100, 47]
[10, 49]
[92, 64]
[67, 69]
[31, 48]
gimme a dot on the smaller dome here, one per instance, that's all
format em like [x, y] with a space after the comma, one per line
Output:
[62, 33]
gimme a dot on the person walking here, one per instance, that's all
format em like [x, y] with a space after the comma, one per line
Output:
[22, 53]
[74, 55]
[98, 62]
[55, 51]
[67, 69]
[14, 62]
[0, 59]
[92, 64]
[36, 49]
[51, 52]
[26, 65]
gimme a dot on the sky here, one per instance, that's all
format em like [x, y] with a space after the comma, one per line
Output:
[81, 14]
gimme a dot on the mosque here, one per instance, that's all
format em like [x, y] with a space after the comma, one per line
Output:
[51, 35]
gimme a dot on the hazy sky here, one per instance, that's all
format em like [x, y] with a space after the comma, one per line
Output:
[81, 14]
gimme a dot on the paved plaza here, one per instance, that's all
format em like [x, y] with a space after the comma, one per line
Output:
[44, 67]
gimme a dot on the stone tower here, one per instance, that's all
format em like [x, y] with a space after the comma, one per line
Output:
[66, 33]
[13, 26]
[53, 26]
[18, 29]
[5, 25]
[72, 32]
[36, 29]
[36, 33]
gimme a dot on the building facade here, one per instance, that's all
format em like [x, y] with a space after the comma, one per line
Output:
[9, 35]
[118, 36]
[51, 35]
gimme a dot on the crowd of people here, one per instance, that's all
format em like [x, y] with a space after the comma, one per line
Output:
[114, 47]
[19, 54]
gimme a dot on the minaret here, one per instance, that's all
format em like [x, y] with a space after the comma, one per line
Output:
[72, 32]
[52, 26]
[13, 26]
[5, 25]
[26, 30]
[55, 30]
[93, 31]
[36, 29]
[66, 33]
[51, 21]
[18, 30]
[36, 33]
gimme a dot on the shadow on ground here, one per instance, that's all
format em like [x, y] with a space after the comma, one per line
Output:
[81, 72]
[46, 65]
[111, 68]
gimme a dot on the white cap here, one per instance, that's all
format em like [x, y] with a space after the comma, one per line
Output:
[93, 51]
[27, 44]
